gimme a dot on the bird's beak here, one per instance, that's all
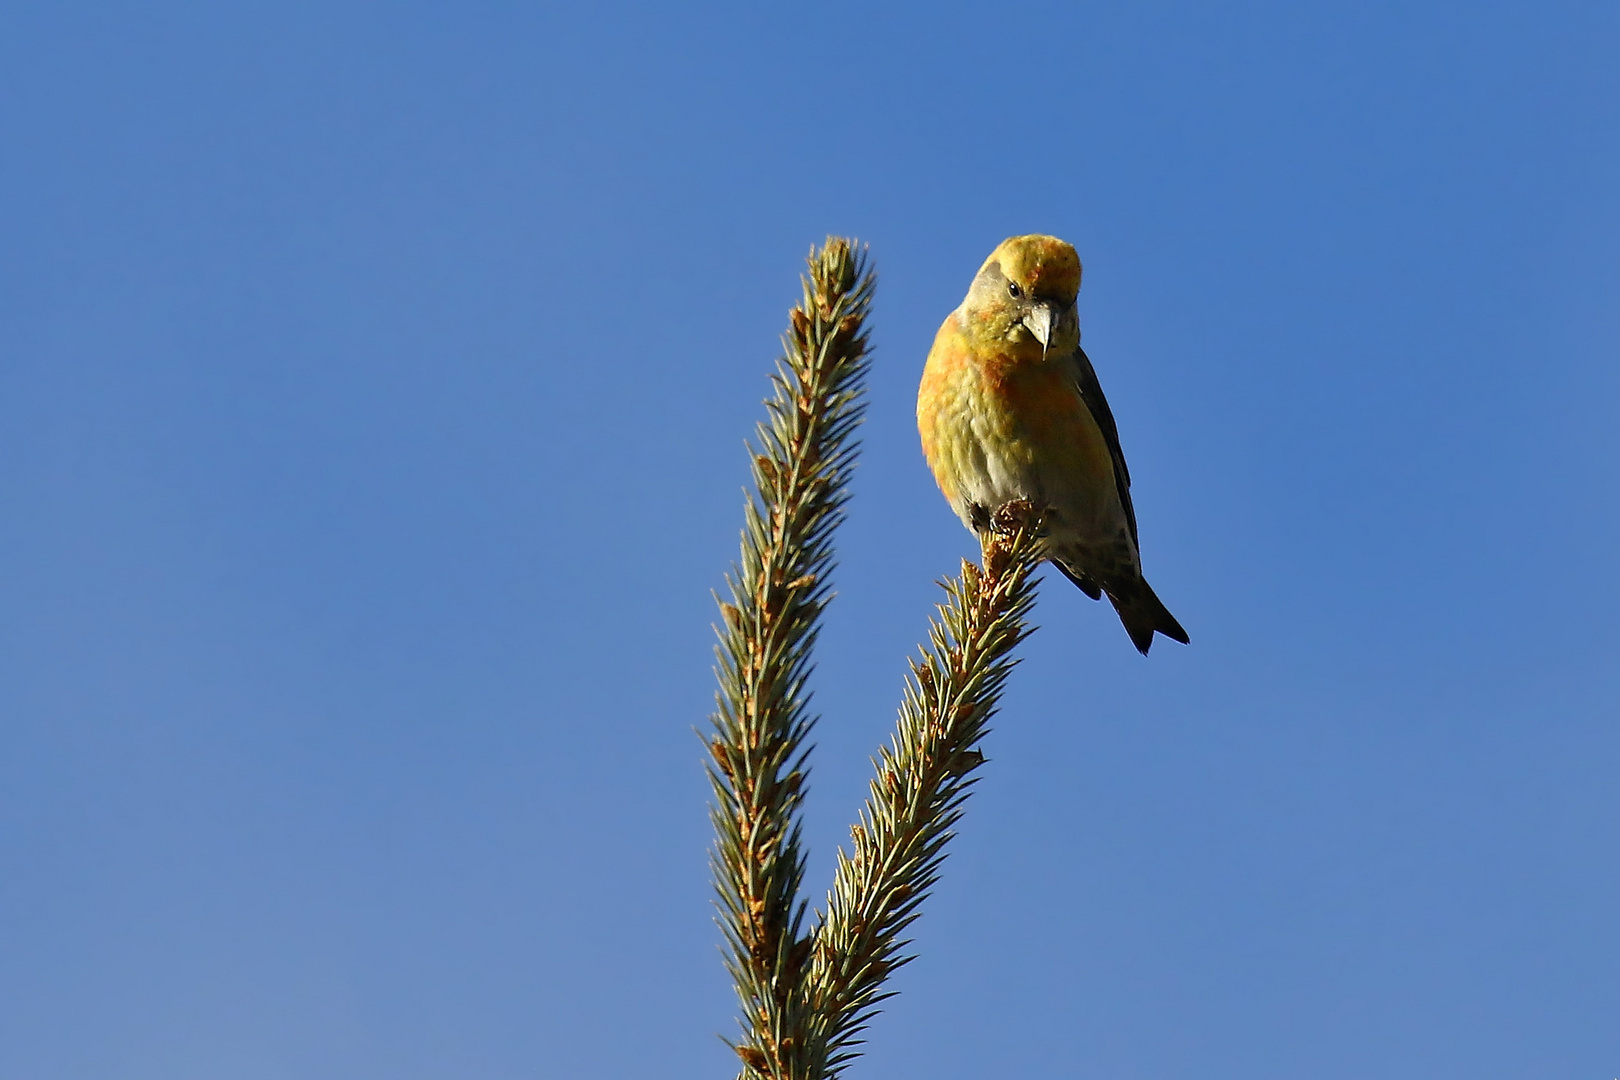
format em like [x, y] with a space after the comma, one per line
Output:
[1040, 321]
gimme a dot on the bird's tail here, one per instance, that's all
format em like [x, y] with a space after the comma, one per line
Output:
[1143, 614]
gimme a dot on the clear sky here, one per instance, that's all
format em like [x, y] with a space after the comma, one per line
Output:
[373, 387]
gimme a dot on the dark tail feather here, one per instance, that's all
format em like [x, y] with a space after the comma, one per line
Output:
[1142, 614]
[1085, 584]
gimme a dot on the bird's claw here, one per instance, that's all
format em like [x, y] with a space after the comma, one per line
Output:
[1012, 516]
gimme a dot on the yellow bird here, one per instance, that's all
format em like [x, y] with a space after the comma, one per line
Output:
[1010, 408]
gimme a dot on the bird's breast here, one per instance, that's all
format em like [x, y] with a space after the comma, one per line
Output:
[999, 424]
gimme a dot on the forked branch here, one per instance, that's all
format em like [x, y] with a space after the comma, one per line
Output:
[806, 996]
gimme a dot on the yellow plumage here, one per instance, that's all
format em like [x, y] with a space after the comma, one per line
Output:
[1010, 408]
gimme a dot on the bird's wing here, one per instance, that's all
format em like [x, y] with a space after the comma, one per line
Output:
[1091, 393]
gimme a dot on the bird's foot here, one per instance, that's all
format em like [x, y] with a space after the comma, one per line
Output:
[979, 517]
[1010, 517]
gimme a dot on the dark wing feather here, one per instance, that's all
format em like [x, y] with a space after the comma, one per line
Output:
[1091, 392]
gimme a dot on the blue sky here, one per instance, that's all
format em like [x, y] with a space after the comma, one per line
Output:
[373, 388]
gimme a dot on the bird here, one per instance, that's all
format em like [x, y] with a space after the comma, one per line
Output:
[1010, 409]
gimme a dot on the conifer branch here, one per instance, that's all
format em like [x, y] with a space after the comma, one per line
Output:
[923, 778]
[802, 463]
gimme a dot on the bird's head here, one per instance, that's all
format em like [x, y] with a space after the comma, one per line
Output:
[1024, 294]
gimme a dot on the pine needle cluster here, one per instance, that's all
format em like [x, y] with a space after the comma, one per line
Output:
[802, 463]
[923, 778]
[808, 993]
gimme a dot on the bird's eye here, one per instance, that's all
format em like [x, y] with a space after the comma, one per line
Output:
[1013, 290]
